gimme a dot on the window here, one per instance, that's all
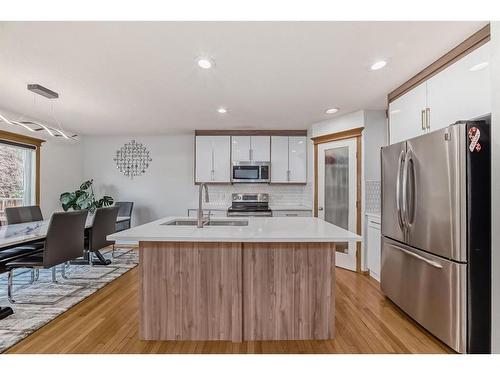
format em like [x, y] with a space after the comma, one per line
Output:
[19, 171]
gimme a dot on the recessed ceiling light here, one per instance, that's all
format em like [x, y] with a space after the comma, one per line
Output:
[332, 110]
[205, 63]
[479, 66]
[222, 110]
[378, 65]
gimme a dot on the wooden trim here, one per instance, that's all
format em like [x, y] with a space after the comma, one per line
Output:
[467, 46]
[351, 133]
[290, 133]
[19, 138]
[358, 201]
[24, 139]
[315, 206]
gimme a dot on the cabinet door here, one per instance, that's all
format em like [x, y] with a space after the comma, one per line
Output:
[373, 249]
[213, 162]
[459, 93]
[204, 167]
[279, 159]
[240, 148]
[221, 147]
[260, 147]
[297, 159]
[292, 213]
[405, 114]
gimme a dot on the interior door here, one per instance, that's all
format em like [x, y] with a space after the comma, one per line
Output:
[433, 188]
[392, 158]
[337, 193]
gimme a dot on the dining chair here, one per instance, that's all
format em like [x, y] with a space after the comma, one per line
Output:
[64, 242]
[25, 214]
[125, 210]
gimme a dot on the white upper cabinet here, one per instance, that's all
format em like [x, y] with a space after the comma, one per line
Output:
[240, 148]
[288, 159]
[213, 159]
[297, 159]
[260, 147]
[279, 159]
[251, 148]
[405, 114]
[461, 91]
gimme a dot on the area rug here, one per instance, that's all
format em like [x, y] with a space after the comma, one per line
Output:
[27, 318]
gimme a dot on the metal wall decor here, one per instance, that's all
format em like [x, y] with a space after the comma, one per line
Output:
[132, 159]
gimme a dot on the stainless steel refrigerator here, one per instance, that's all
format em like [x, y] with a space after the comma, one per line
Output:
[436, 233]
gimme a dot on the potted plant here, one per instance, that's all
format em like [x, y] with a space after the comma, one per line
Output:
[84, 199]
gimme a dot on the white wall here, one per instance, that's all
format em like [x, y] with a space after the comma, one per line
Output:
[60, 168]
[337, 124]
[495, 184]
[374, 136]
[167, 187]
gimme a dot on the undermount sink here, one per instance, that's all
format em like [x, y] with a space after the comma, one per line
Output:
[212, 223]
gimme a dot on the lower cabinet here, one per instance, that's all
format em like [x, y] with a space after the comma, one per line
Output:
[372, 243]
[292, 213]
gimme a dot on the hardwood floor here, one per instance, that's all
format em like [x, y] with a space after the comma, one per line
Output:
[107, 322]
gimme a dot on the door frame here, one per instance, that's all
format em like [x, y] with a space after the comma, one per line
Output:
[351, 133]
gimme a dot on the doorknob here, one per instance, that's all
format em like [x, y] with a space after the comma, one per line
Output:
[320, 208]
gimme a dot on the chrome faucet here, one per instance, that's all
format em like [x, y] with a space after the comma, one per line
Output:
[201, 220]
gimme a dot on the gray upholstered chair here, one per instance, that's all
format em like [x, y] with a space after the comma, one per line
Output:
[124, 211]
[104, 225]
[23, 214]
[64, 242]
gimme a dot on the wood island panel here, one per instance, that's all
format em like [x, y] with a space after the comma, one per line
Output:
[190, 291]
[288, 291]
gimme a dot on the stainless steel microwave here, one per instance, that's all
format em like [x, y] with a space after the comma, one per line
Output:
[251, 171]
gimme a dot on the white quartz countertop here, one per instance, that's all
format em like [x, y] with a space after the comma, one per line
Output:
[259, 229]
[224, 207]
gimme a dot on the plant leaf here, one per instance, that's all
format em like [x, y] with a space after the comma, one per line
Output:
[86, 185]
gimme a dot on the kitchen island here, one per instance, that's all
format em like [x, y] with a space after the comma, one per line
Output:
[238, 280]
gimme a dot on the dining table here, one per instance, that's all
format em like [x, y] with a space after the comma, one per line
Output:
[13, 235]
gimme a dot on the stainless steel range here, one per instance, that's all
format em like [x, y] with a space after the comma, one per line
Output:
[245, 204]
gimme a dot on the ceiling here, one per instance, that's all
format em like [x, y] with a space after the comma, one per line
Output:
[142, 77]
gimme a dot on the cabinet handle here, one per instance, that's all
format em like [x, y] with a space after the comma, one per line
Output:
[422, 119]
[250, 154]
[291, 214]
[428, 118]
[212, 172]
[288, 175]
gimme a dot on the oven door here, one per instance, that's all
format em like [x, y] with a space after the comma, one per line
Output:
[245, 173]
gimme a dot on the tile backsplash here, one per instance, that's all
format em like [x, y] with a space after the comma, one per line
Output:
[372, 196]
[278, 194]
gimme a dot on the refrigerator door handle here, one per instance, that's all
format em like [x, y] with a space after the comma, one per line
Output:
[410, 213]
[398, 189]
[405, 188]
[428, 261]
